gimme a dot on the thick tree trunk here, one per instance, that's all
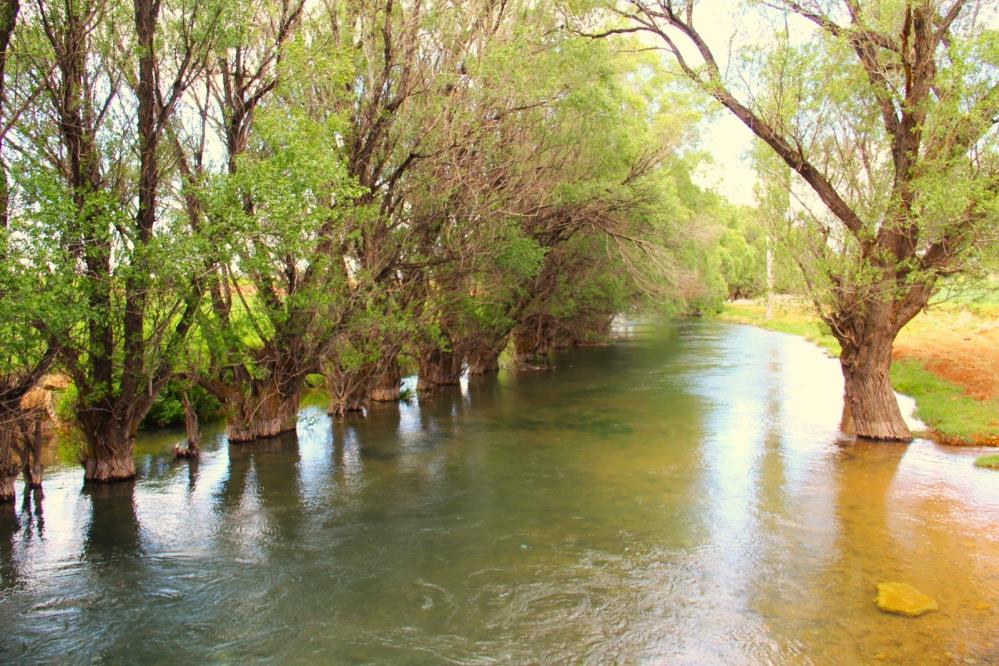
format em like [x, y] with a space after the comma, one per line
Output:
[110, 446]
[388, 384]
[533, 342]
[266, 413]
[438, 368]
[484, 358]
[870, 409]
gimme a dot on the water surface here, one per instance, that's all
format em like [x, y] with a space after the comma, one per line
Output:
[681, 496]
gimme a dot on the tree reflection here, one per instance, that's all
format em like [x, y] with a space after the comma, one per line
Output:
[114, 526]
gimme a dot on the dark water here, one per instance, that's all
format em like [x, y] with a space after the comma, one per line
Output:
[679, 497]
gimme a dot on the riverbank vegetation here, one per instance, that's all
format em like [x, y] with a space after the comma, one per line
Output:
[881, 180]
[208, 204]
[945, 359]
[207, 207]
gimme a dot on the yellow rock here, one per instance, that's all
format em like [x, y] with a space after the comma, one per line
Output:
[903, 599]
[982, 606]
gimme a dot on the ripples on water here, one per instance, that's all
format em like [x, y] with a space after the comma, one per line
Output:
[682, 496]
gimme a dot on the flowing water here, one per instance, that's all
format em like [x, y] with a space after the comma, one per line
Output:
[681, 496]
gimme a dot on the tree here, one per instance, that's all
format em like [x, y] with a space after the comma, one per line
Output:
[889, 119]
[91, 175]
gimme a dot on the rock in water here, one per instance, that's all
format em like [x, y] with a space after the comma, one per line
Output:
[903, 599]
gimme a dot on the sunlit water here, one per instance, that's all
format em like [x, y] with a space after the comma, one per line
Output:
[681, 496]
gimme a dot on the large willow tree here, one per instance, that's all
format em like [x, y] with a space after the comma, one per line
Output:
[888, 117]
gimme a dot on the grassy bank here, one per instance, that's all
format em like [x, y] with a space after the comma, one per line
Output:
[958, 412]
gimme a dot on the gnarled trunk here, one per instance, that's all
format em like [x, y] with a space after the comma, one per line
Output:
[438, 368]
[533, 341]
[110, 446]
[870, 409]
[267, 412]
[483, 358]
[388, 383]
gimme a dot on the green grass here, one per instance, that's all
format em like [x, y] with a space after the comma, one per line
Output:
[989, 462]
[795, 322]
[957, 418]
[943, 406]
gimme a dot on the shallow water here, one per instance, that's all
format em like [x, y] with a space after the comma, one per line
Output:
[682, 496]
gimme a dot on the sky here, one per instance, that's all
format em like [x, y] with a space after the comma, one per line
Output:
[728, 142]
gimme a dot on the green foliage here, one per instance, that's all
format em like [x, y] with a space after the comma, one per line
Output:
[168, 408]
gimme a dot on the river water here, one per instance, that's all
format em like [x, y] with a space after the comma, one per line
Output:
[681, 496]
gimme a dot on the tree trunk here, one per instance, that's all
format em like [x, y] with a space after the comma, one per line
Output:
[192, 430]
[348, 399]
[483, 358]
[7, 483]
[483, 363]
[533, 343]
[8, 466]
[870, 409]
[387, 385]
[110, 446]
[31, 456]
[266, 413]
[348, 389]
[438, 368]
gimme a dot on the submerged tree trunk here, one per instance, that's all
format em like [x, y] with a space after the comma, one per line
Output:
[870, 409]
[192, 430]
[8, 466]
[438, 368]
[31, 451]
[110, 446]
[866, 335]
[267, 412]
[388, 384]
[533, 341]
[483, 358]
[348, 389]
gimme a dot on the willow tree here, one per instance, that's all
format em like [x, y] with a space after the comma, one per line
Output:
[90, 169]
[266, 205]
[888, 119]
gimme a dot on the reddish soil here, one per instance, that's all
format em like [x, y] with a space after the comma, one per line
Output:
[958, 347]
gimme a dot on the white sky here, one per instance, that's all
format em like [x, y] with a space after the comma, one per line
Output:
[728, 141]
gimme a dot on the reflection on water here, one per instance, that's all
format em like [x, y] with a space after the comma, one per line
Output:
[681, 496]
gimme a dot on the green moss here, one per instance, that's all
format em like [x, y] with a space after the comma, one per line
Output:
[989, 462]
[944, 406]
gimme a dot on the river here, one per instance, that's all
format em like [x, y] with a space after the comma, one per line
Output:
[680, 496]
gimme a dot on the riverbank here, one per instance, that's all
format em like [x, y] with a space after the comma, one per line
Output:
[946, 359]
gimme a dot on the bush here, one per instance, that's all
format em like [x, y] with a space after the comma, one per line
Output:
[168, 410]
